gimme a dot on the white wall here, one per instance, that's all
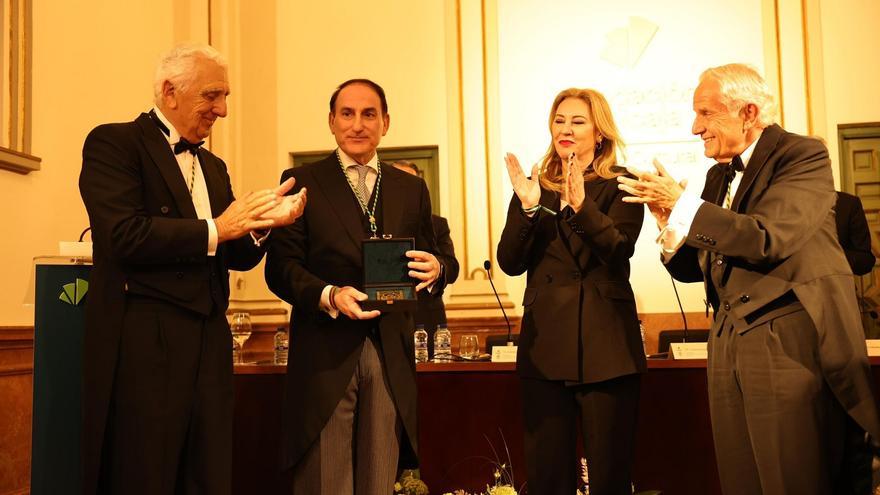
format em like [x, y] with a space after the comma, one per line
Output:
[93, 62]
[399, 45]
[851, 57]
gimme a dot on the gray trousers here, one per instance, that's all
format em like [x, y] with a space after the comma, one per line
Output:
[358, 449]
[777, 426]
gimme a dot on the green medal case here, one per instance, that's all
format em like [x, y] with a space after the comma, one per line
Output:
[386, 277]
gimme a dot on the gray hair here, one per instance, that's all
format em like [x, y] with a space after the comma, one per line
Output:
[741, 85]
[177, 65]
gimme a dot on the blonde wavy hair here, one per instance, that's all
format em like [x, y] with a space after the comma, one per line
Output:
[605, 158]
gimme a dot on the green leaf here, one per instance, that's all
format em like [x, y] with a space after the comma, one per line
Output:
[65, 298]
[82, 287]
[68, 294]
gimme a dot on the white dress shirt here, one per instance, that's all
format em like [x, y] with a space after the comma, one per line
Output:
[188, 164]
[350, 165]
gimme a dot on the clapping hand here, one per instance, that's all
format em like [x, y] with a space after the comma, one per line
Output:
[659, 191]
[245, 215]
[288, 208]
[573, 194]
[526, 188]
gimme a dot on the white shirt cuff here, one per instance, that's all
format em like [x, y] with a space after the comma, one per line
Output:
[682, 216]
[324, 305]
[212, 237]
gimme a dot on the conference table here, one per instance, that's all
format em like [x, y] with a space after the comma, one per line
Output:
[470, 419]
[470, 422]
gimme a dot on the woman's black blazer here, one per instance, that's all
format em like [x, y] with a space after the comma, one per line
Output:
[579, 323]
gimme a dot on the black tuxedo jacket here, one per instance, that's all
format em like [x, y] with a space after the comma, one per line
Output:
[779, 236]
[148, 242]
[324, 247]
[579, 322]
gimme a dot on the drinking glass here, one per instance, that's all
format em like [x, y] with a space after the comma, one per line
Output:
[241, 331]
[469, 346]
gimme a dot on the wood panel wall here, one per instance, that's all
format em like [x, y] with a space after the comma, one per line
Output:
[16, 405]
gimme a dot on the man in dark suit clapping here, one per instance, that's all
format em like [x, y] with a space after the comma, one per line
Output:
[790, 388]
[157, 399]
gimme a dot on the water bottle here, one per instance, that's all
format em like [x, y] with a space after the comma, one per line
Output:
[421, 343]
[282, 343]
[442, 345]
[642, 331]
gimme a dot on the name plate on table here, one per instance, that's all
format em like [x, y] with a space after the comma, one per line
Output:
[386, 277]
[75, 249]
[504, 354]
[873, 347]
[689, 350]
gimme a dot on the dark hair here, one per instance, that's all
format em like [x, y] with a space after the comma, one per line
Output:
[407, 164]
[378, 89]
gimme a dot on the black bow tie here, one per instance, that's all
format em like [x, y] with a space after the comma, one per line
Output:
[183, 146]
[735, 165]
[732, 168]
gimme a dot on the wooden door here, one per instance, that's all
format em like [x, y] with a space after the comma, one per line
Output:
[860, 175]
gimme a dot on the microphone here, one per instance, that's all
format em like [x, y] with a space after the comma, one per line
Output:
[685, 336]
[487, 265]
[680, 308]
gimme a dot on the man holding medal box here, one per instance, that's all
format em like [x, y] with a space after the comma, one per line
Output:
[351, 388]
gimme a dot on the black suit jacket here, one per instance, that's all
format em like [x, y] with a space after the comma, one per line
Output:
[853, 233]
[324, 247]
[149, 242]
[579, 322]
[779, 236]
[431, 310]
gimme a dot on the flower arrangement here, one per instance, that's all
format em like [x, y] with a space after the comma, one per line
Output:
[503, 473]
[410, 484]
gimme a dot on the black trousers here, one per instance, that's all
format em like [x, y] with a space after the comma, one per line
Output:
[777, 426]
[169, 429]
[607, 412]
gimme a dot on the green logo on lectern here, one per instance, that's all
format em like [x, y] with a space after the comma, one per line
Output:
[74, 292]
